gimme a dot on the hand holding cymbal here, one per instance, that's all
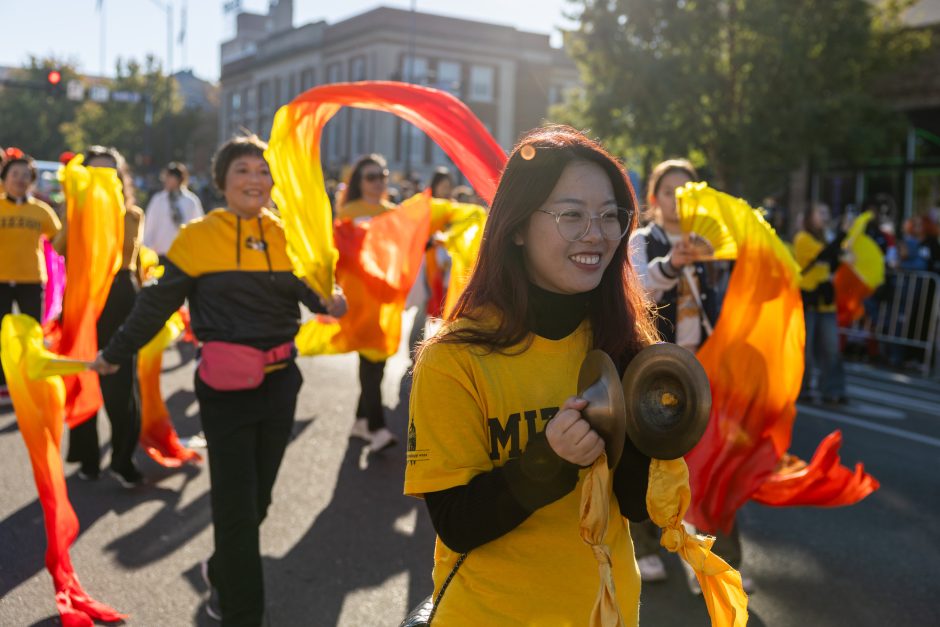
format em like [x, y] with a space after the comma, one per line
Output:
[662, 402]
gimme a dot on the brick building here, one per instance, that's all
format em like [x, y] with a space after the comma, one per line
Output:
[508, 77]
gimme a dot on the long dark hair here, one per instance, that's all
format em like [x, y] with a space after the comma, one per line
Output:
[618, 312]
[354, 187]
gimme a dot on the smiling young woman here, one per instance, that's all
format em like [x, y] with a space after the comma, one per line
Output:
[496, 437]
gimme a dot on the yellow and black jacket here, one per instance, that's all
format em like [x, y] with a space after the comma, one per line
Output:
[239, 282]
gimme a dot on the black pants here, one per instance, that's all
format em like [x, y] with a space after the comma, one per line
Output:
[247, 433]
[370, 396]
[120, 390]
[28, 297]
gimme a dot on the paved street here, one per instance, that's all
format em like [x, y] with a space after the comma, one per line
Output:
[343, 547]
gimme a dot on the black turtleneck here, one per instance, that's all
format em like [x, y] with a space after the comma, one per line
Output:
[494, 503]
[556, 316]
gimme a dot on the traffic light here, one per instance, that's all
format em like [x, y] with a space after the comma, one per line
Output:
[54, 82]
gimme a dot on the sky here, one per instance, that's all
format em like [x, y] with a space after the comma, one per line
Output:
[71, 29]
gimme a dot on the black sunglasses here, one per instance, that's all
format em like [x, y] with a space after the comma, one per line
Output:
[375, 176]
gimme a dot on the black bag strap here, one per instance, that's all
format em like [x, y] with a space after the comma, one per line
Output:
[446, 583]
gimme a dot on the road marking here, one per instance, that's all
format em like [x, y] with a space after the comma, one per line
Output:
[889, 387]
[896, 377]
[876, 411]
[896, 399]
[871, 426]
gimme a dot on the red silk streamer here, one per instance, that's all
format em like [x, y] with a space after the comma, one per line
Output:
[444, 118]
[40, 408]
[370, 259]
[824, 482]
[851, 293]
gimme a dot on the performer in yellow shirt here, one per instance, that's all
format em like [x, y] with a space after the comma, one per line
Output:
[23, 221]
[496, 441]
[818, 261]
[365, 198]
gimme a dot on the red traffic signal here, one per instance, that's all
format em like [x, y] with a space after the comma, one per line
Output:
[54, 77]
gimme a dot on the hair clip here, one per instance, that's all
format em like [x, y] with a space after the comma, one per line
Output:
[14, 153]
[527, 152]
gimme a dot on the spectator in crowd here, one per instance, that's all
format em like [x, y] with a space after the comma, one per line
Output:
[24, 220]
[170, 209]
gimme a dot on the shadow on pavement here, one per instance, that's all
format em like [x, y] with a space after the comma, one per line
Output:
[369, 532]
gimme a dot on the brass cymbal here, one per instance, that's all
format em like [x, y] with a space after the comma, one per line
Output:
[600, 386]
[668, 401]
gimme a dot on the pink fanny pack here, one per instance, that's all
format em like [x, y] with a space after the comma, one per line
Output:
[226, 367]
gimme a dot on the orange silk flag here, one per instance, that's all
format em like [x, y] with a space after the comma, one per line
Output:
[824, 482]
[39, 405]
[861, 273]
[157, 435]
[462, 226]
[95, 222]
[378, 262]
[317, 250]
[754, 360]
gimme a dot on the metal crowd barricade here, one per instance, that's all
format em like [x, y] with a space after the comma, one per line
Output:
[904, 313]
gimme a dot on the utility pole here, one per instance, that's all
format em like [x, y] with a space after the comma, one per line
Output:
[167, 7]
[409, 78]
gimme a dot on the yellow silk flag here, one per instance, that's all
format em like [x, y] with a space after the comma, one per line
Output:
[38, 395]
[300, 193]
[462, 232]
[95, 222]
[595, 512]
[754, 357]
[862, 272]
[667, 499]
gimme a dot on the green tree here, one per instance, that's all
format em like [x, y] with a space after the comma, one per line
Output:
[139, 130]
[30, 117]
[751, 88]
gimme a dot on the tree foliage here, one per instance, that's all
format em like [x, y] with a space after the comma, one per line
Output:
[148, 133]
[751, 87]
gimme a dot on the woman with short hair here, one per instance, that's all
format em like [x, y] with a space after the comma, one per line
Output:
[243, 295]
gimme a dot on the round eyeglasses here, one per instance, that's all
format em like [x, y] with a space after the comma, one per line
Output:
[574, 224]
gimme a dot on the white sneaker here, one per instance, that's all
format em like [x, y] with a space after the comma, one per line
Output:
[360, 430]
[382, 439]
[651, 568]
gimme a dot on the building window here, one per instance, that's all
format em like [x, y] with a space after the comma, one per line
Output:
[357, 69]
[308, 79]
[416, 72]
[482, 80]
[448, 77]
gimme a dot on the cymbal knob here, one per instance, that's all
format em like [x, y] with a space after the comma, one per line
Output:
[668, 401]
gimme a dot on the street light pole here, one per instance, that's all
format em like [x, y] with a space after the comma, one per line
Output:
[409, 78]
[168, 7]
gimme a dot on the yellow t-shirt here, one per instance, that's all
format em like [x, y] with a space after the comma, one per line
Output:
[361, 209]
[21, 225]
[471, 412]
[805, 249]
